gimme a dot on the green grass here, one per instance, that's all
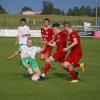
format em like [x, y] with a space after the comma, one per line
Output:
[12, 21]
[15, 85]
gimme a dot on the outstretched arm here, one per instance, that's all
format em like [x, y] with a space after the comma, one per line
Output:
[26, 34]
[17, 40]
[13, 55]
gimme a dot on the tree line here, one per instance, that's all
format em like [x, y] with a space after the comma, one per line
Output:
[49, 9]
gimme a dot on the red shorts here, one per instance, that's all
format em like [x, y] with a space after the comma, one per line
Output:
[47, 50]
[60, 56]
[74, 58]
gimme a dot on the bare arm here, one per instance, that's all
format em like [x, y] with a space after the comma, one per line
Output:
[72, 45]
[13, 55]
[26, 34]
[17, 40]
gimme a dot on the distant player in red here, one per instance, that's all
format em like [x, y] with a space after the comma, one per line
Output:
[60, 43]
[47, 36]
[75, 51]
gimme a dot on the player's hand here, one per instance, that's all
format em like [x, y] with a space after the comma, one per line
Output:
[8, 58]
[47, 43]
[16, 43]
[65, 49]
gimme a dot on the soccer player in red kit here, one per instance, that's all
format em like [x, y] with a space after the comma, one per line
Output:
[75, 51]
[47, 36]
[60, 43]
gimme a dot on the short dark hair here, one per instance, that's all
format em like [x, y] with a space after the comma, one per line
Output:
[56, 25]
[23, 19]
[67, 24]
[47, 19]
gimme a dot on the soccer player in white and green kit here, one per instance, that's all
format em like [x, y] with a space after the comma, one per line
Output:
[28, 53]
[23, 33]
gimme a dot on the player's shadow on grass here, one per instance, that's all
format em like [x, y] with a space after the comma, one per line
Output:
[63, 76]
[66, 76]
[26, 75]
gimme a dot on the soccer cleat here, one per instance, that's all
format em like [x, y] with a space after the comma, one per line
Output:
[41, 78]
[74, 81]
[82, 66]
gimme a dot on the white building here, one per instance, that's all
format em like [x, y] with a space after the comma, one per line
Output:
[31, 12]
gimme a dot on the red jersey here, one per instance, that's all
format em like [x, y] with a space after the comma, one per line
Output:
[47, 34]
[77, 48]
[60, 40]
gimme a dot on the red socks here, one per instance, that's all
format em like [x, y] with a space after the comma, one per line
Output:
[77, 65]
[47, 66]
[73, 74]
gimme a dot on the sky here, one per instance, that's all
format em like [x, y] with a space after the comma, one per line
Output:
[15, 6]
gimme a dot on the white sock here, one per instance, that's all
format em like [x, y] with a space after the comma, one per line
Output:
[30, 71]
[43, 75]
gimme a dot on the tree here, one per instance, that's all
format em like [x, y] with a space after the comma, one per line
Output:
[26, 9]
[57, 11]
[76, 11]
[47, 7]
[82, 11]
[99, 11]
[70, 12]
[89, 11]
[2, 10]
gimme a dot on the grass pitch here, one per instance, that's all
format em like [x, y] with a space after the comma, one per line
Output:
[16, 85]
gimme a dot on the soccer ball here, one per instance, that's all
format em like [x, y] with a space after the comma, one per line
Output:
[35, 77]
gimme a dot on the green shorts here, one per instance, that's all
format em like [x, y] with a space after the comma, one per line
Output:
[20, 45]
[31, 61]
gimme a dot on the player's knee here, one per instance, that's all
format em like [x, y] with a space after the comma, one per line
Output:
[37, 70]
[27, 66]
[66, 64]
[70, 68]
[47, 60]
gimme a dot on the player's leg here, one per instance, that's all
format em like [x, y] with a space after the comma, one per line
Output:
[35, 68]
[73, 59]
[37, 71]
[28, 69]
[46, 53]
[46, 68]
[71, 70]
[80, 66]
[26, 65]
[76, 59]
[37, 74]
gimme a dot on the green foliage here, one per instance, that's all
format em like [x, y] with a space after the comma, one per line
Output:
[26, 9]
[83, 11]
[49, 9]
[2, 10]
[5, 21]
